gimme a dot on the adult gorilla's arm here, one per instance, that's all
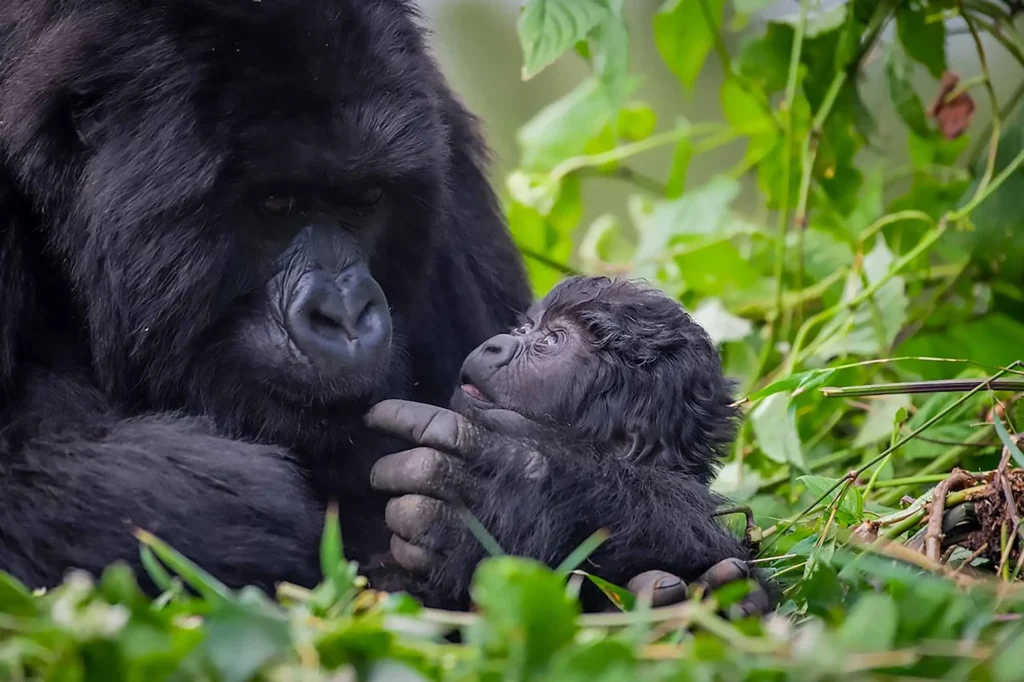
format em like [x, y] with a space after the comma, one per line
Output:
[72, 496]
[539, 496]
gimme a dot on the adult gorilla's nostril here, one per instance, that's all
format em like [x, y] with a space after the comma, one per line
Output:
[340, 324]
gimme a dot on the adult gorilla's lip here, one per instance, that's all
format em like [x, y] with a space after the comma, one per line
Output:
[475, 393]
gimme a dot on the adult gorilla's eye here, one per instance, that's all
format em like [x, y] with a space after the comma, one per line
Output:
[279, 206]
[368, 196]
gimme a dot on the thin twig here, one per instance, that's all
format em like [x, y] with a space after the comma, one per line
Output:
[933, 538]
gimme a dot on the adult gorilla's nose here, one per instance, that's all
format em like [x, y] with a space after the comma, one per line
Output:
[341, 324]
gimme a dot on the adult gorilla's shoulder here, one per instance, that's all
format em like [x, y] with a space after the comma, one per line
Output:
[226, 228]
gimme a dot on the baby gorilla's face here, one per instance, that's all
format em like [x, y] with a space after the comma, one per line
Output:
[536, 370]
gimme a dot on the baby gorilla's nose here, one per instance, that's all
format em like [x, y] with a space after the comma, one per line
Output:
[342, 324]
[499, 350]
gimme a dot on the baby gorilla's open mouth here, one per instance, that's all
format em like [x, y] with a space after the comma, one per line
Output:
[474, 392]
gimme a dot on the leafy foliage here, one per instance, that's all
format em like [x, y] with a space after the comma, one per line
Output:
[852, 284]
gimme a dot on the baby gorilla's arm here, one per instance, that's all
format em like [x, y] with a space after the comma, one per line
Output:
[539, 496]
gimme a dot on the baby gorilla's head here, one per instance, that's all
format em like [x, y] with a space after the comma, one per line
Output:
[617, 363]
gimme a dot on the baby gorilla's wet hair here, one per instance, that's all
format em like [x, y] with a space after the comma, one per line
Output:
[653, 379]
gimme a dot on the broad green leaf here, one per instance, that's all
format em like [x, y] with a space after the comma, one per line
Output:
[871, 624]
[851, 508]
[701, 211]
[602, 661]
[721, 325]
[15, 599]
[240, 640]
[549, 28]
[744, 110]
[716, 268]
[609, 54]
[775, 427]
[765, 60]
[684, 37]
[526, 613]
[562, 129]
[873, 325]
[899, 71]
[923, 37]
[877, 425]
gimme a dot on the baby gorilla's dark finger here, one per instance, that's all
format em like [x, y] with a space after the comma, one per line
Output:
[413, 558]
[411, 516]
[757, 603]
[423, 471]
[419, 423]
[660, 587]
[722, 573]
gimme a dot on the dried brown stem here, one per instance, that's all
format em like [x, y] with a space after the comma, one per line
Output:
[933, 538]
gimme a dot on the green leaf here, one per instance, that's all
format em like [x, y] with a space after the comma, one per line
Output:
[699, 212]
[1008, 442]
[621, 597]
[602, 661]
[562, 129]
[716, 268]
[240, 640]
[681, 157]
[873, 325]
[878, 424]
[775, 427]
[924, 40]
[871, 624]
[526, 613]
[331, 553]
[549, 28]
[683, 36]
[745, 111]
[609, 55]
[636, 121]
[851, 508]
[15, 599]
[766, 59]
[898, 73]
[799, 382]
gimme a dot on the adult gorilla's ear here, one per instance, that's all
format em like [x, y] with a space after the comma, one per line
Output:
[17, 285]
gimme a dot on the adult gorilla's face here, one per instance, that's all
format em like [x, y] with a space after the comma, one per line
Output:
[233, 195]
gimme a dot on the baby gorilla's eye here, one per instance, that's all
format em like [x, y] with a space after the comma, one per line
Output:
[550, 339]
[279, 206]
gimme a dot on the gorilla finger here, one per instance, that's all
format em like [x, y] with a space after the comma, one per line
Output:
[421, 471]
[757, 603]
[412, 516]
[413, 558]
[428, 425]
[660, 587]
[724, 572]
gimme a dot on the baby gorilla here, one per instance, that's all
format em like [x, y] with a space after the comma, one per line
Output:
[608, 382]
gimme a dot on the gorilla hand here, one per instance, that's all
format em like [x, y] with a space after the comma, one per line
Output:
[665, 589]
[449, 470]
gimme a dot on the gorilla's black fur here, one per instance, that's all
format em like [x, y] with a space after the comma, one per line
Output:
[145, 375]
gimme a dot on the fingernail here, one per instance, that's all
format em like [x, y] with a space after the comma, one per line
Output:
[667, 583]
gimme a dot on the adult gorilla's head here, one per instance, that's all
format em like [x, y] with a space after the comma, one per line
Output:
[220, 201]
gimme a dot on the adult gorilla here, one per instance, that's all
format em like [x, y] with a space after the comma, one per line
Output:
[226, 229]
